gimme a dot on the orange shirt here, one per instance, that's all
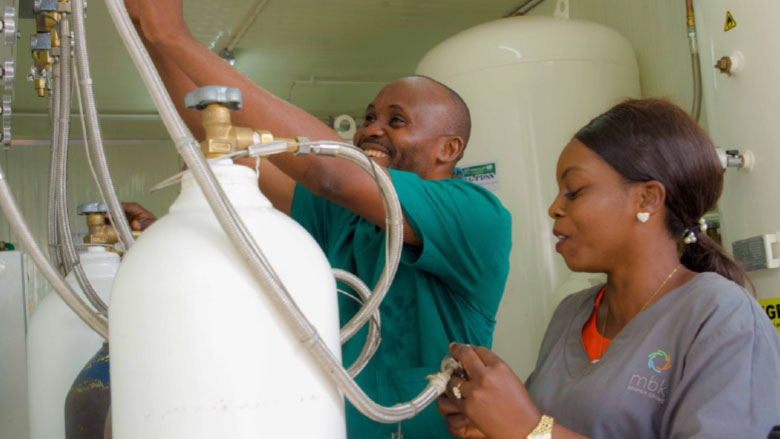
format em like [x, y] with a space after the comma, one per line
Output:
[594, 343]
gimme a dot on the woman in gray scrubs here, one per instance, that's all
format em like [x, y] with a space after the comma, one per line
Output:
[672, 345]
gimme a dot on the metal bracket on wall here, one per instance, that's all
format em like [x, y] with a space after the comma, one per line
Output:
[757, 252]
[562, 9]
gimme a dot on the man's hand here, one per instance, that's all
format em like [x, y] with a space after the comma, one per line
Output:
[138, 217]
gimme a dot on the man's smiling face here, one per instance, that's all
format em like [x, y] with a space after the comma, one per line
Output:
[405, 125]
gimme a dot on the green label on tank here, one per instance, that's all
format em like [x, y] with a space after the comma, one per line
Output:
[484, 174]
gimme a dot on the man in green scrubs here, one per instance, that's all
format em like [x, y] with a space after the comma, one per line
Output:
[456, 234]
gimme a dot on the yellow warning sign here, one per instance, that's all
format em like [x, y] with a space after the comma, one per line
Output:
[772, 309]
[730, 22]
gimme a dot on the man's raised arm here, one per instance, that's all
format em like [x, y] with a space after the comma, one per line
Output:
[172, 45]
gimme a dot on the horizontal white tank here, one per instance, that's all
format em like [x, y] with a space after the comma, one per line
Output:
[59, 345]
[743, 111]
[198, 350]
[530, 84]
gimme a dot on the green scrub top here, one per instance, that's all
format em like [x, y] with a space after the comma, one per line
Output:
[446, 290]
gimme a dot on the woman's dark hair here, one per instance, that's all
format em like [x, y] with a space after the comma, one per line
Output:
[652, 139]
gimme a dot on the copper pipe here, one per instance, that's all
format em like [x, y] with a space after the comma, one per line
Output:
[695, 65]
[689, 12]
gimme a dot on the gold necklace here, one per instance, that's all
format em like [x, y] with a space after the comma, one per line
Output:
[647, 302]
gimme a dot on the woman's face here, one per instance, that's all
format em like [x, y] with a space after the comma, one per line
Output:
[594, 211]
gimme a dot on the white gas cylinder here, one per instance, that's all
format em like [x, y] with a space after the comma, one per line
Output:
[59, 344]
[197, 349]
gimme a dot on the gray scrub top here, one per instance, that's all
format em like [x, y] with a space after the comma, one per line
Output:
[702, 362]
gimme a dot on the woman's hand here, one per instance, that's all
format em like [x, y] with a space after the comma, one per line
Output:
[457, 423]
[493, 401]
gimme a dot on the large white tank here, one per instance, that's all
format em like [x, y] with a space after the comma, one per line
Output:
[742, 113]
[59, 344]
[530, 84]
[197, 350]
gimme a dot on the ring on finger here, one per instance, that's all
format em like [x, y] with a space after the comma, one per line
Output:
[456, 391]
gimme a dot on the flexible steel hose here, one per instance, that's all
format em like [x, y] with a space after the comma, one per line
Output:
[19, 226]
[55, 252]
[374, 330]
[63, 134]
[695, 65]
[118, 218]
[68, 249]
[393, 216]
[394, 231]
[697, 93]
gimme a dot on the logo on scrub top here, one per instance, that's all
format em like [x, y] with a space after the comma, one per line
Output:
[656, 358]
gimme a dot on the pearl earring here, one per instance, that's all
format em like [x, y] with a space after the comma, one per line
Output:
[643, 216]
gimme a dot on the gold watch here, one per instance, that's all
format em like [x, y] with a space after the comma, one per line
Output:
[543, 429]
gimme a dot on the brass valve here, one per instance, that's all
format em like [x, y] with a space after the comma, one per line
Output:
[222, 138]
[42, 59]
[724, 65]
[98, 231]
[40, 87]
[731, 65]
[45, 43]
[46, 22]
[47, 17]
[41, 47]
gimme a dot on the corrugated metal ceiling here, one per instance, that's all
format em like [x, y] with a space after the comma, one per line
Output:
[291, 40]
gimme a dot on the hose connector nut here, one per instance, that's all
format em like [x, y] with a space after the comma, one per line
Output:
[326, 149]
[44, 6]
[303, 145]
[40, 41]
